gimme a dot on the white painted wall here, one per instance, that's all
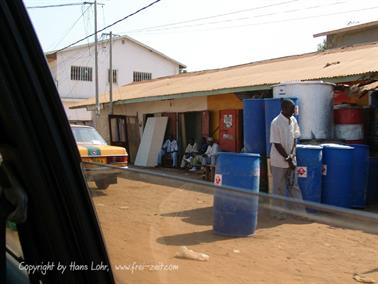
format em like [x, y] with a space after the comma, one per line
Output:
[76, 114]
[128, 56]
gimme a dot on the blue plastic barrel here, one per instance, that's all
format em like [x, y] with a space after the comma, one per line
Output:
[309, 171]
[254, 126]
[235, 214]
[360, 175]
[372, 188]
[337, 176]
[272, 109]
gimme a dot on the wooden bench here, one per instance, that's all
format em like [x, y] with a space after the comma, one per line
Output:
[208, 173]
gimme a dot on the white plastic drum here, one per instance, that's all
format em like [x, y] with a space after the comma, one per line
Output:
[315, 106]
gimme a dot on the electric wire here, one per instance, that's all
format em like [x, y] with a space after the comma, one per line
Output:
[59, 5]
[71, 28]
[161, 31]
[157, 28]
[225, 14]
[114, 23]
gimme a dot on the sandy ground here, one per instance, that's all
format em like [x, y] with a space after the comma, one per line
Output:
[145, 224]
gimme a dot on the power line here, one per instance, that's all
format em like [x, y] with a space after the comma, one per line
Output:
[277, 21]
[156, 31]
[116, 22]
[73, 25]
[219, 15]
[59, 5]
[177, 26]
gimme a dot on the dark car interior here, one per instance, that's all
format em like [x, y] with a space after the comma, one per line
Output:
[41, 185]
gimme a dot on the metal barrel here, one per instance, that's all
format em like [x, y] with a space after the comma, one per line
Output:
[349, 124]
[234, 215]
[315, 106]
[254, 126]
[372, 188]
[337, 177]
[360, 175]
[309, 171]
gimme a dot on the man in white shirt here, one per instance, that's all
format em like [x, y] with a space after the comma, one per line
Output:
[283, 134]
[210, 154]
[190, 151]
[209, 157]
[170, 148]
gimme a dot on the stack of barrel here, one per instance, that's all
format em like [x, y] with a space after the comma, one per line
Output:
[334, 174]
[330, 173]
[349, 124]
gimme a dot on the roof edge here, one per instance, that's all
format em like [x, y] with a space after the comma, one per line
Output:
[347, 29]
[225, 90]
[181, 65]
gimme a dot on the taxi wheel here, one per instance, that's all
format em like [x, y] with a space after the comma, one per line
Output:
[102, 184]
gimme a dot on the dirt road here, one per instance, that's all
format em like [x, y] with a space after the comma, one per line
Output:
[145, 224]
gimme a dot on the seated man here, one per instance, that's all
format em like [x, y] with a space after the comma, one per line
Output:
[208, 157]
[169, 148]
[203, 146]
[190, 151]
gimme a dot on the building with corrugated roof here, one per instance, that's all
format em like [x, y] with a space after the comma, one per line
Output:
[193, 101]
[352, 35]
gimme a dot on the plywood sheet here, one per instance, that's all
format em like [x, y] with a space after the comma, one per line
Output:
[152, 140]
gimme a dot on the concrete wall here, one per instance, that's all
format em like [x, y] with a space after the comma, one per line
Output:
[76, 114]
[352, 37]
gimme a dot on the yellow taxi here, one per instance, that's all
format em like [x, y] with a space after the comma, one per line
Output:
[94, 151]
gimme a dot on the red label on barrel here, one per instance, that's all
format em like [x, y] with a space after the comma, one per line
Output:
[218, 179]
[302, 172]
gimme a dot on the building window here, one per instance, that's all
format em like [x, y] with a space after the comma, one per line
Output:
[80, 73]
[141, 76]
[115, 76]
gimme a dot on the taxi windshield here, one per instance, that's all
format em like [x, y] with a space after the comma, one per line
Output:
[87, 135]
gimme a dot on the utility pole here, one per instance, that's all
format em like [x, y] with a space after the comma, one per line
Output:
[96, 66]
[111, 72]
[110, 34]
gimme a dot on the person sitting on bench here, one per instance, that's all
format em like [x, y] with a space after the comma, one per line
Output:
[190, 151]
[169, 148]
[209, 157]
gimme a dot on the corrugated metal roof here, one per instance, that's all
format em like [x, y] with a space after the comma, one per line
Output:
[258, 75]
[349, 29]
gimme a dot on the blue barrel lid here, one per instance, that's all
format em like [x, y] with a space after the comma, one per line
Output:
[302, 146]
[257, 99]
[281, 98]
[239, 154]
[359, 145]
[337, 146]
[273, 99]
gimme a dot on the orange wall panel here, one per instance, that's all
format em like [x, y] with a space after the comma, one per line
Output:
[217, 103]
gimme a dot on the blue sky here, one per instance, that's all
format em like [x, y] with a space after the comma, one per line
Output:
[205, 34]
